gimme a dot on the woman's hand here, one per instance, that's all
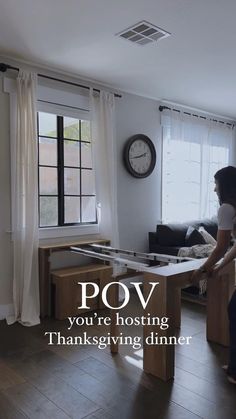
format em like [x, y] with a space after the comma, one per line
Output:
[216, 271]
[196, 277]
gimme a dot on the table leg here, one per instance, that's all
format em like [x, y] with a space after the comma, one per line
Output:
[219, 292]
[44, 282]
[113, 298]
[105, 277]
[158, 360]
[177, 307]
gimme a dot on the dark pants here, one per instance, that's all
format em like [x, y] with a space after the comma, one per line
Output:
[232, 331]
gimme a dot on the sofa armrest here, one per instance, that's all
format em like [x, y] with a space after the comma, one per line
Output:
[152, 238]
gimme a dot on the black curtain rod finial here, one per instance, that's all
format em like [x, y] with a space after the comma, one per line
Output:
[162, 108]
[3, 67]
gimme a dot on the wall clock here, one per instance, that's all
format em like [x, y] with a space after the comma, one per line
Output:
[139, 156]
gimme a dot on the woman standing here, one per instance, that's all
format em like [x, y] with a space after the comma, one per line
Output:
[225, 188]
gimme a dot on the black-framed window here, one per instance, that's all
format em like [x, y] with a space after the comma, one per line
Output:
[65, 171]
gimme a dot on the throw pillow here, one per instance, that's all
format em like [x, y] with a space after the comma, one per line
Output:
[193, 237]
[210, 225]
[207, 236]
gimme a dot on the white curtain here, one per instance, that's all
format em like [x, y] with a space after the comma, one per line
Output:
[24, 167]
[104, 155]
[194, 148]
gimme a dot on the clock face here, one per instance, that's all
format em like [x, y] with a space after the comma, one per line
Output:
[140, 156]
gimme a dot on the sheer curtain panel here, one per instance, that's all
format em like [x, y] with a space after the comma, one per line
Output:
[24, 163]
[194, 148]
[104, 156]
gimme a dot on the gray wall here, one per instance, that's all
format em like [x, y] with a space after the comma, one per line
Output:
[138, 199]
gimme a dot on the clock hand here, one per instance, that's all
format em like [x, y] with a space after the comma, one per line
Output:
[137, 157]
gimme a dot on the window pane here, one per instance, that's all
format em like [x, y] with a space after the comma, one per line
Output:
[71, 153]
[72, 209]
[72, 182]
[47, 124]
[48, 211]
[47, 151]
[48, 181]
[85, 131]
[88, 182]
[192, 153]
[71, 128]
[86, 155]
[88, 209]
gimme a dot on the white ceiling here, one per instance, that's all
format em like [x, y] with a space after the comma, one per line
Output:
[195, 66]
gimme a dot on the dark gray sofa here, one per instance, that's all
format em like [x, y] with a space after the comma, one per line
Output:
[169, 238]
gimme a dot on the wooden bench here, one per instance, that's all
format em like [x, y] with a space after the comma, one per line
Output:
[67, 292]
[46, 252]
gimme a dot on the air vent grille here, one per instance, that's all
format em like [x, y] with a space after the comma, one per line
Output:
[143, 33]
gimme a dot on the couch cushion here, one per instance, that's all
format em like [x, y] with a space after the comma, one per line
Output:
[193, 237]
[171, 234]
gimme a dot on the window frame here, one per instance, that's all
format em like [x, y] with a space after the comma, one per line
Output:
[58, 102]
[63, 228]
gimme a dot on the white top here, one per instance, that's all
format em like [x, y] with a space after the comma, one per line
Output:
[227, 218]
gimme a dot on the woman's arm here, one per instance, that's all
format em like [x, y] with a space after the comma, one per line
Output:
[223, 242]
[228, 258]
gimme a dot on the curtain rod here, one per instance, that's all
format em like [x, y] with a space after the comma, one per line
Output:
[5, 67]
[162, 108]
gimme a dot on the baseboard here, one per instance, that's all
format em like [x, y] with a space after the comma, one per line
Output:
[6, 310]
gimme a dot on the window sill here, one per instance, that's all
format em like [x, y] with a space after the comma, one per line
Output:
[56, 232]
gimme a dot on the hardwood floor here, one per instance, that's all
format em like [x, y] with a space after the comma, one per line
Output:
[39, 381]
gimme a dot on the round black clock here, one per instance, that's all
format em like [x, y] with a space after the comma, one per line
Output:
[139, 156]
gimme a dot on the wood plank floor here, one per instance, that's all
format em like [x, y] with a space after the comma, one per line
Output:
[39, 381]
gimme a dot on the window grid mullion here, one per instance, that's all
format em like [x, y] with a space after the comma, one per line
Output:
[60, 148]
[80, 178]
[38, 172]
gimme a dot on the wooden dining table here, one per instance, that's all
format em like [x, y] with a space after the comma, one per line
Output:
[159, 360]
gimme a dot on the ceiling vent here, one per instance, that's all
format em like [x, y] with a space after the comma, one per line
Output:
[143, 33]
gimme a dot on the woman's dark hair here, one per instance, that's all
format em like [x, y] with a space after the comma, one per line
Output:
[226, 179]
